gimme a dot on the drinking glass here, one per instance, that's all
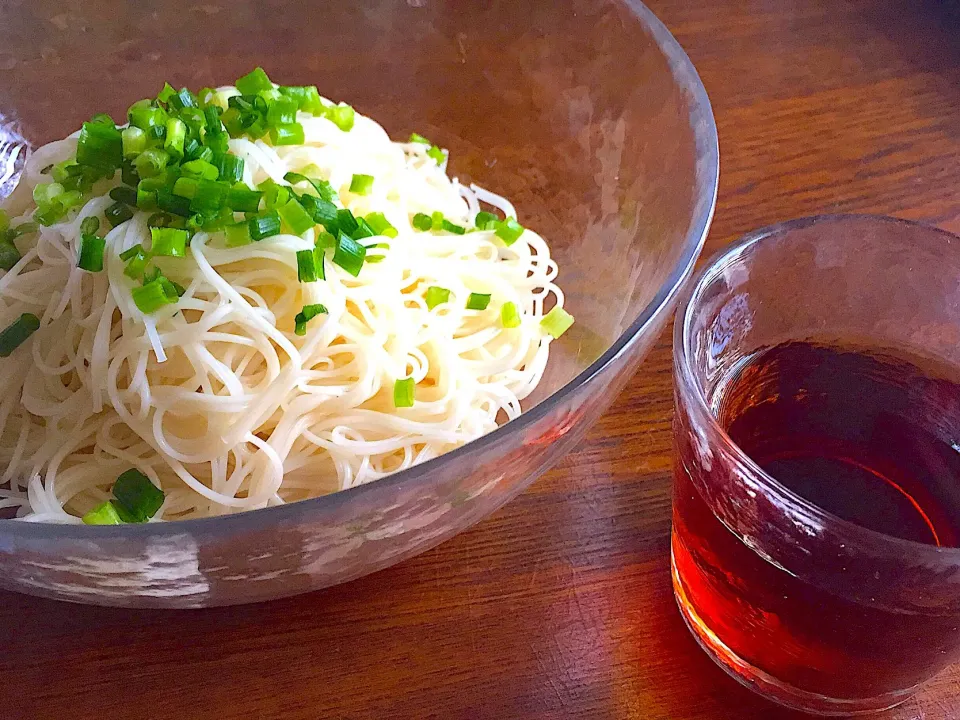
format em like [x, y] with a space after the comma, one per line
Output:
[806, 608]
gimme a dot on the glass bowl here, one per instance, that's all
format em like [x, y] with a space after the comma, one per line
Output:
[585, 113]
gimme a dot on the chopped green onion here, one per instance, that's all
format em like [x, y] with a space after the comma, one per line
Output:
[15, 334]
[436, 296]
[9, 255]
[437, 154]
[122, 194]
[346, 221]
[194, 119]
[131, 252]
[422, 222]
[325, 240]
[556, 322]
[166, 92]
[322, 211]
[308, 313]
[282, 111]
[265, 225]
[307, 266]
[128, 173]
[509, 231]
[452, 227]
[176, 134]
[295, 217]
[230, 167]
[90, 225]
[210, 196]
[137, 495]
[100, 146]
[238, 234]
[118, 213]
[342, 116]
[47, 194]
[160, 219]
[146, 199]
[168, 241]
[91, 253]
[134, 141]
[403, 393]
[105, 514]
[291, 134]
[349, 254]
[478, 301]
[380, 225]
[436, 220]
[363, 230]
[240, 198]
[144, 115]
[509, 315]
[151, 162]
[417, 138]
[361, 184]
[183, 99]
[152, 296]
[201, 169]
[485, 221]
[254, 81]
[274, 195]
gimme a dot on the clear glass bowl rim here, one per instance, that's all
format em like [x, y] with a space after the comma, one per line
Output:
[705, 134]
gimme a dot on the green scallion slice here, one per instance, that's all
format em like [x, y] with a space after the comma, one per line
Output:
[89, 225]
[437, 154]
[509, 231]
[346, 221]
[361, 184]
[134, 141]
[264, 225]
[556, 322]
[238, 234]
[131, 252]
[343, 116]
[176, 135]
[123, 194]
[168, 242]
[152, 296]
[145, 115]
[230, 167]
[478, 301]
[291, 134]
[295, 217]
[15, 334]
[151, 162]
[91, 253]
[380, 225]
[240, 198]
[322, 211]
[137, 495]
[210, 196]
[509, 315]
[118, 213]
[422, 222]
[417, 138]
[363, 230]
[436, 296]
[99, 145]
[200, 169]
[254, 81]
[105, 514]
[485, 221]
[349, 254]
[306, 315]
[452, 227]
[403, 392]
[307, 266]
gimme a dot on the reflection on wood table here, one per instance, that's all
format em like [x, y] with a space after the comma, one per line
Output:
[560, 604]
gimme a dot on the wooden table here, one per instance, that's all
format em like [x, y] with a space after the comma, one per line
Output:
[560, 605]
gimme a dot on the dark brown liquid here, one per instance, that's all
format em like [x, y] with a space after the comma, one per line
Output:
[871, 438]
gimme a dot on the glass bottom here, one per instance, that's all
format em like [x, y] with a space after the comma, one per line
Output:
[766, 685]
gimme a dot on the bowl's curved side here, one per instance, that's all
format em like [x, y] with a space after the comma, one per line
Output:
[640, 220]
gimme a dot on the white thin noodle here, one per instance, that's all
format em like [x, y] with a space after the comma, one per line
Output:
[215, 398]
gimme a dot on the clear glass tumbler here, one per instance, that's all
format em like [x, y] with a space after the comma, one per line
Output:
[804, 607]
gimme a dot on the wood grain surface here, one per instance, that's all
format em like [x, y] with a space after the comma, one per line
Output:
[560, 606]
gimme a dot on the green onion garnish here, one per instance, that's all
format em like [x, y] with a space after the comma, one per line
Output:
[99, 145]
[136, 260]
[361, 184]
[556, 322]
[152, 296]
[349, 254]
[91, 253]
[378, 222]
[9, 255]
[323, 188]
[322, 211]
[122, 194]
[89, 225]
[118, 213]
[452, 227]
[291, 134]
[295, 217]
[17, 333]
[478, 301]
[230, 167]
[403, 392]
[137, 495]
[341, 115]
[200, 169]
[363, 230]
[307, 266]
[325, 240]
[133, 140]
[282, 111]
[168, 242]
[254, 81]
[509, 231]
[306, 315]
[422, 222]
[417, 138]
[265, 225]
[240, 198]
[144, 114]
[346, 221]
[105, 514]
[151, 162]
[485, 221]
[238, 234]
[176, 135]
[509, 315]
[436, 296]
[131, 252]
[437, 154]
